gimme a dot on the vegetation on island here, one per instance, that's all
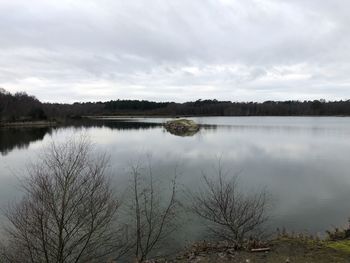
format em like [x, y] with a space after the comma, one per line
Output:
[182, 127]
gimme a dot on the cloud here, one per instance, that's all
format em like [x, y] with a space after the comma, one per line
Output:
[175, 50]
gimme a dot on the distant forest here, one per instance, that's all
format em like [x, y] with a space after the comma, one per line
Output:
[23, 107]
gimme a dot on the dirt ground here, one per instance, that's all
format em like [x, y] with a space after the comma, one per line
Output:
[282, 251]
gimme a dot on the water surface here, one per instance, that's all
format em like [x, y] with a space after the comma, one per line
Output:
[302, 161]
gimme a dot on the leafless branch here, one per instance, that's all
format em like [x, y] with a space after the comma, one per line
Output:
[68, 209]
[231, 214]
[153, 213]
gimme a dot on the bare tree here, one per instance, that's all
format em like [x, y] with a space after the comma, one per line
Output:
[153, 213]
[68, 209]
[231, 214]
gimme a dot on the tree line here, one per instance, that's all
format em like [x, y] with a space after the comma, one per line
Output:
[20, 106]
[23, 107]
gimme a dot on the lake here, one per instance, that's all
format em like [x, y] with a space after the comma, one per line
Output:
[303, 162]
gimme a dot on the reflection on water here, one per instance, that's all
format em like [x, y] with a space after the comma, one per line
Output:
[180, 133]
[121, 124]
[303, 162]
[19, 138]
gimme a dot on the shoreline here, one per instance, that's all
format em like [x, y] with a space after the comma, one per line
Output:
[279, 250]
[106, 117]
[24, 124]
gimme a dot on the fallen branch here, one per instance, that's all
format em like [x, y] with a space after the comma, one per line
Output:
[260, 249]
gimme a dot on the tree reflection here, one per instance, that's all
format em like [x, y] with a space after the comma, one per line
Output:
[20, 138]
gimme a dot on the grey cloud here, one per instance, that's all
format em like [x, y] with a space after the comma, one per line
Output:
[175, 50]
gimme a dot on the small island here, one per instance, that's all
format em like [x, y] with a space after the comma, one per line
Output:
[182, 127]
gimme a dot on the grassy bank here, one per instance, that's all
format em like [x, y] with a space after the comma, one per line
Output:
[293, 250]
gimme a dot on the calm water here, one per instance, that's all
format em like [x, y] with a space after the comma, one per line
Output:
[303, 162]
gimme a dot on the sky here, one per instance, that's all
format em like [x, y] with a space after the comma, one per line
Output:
[176, 50]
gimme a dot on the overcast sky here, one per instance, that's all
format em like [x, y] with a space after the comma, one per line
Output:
[178, 50]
